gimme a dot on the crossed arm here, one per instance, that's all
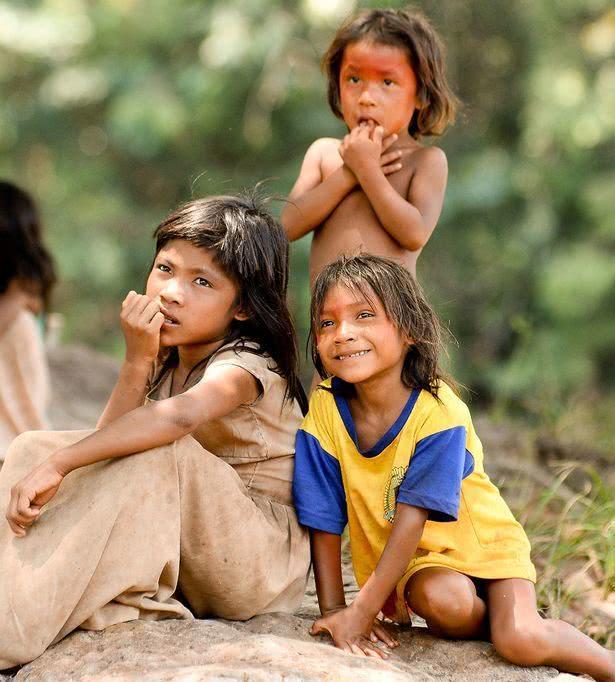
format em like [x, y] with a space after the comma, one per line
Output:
[354, 628]
[367, 161]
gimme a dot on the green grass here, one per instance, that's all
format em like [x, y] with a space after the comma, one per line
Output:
[573, 543]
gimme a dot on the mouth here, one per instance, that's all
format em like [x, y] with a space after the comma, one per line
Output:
[368, 121]
[169, 320]
[352, 356]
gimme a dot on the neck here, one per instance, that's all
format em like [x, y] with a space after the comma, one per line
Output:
[190, 356]
[404, 140]
[382, 393]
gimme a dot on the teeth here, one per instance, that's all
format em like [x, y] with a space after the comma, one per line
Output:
[353, 355]
[168, 319]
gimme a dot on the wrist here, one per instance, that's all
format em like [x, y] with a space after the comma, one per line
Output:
[349, 179]
[365, 607]
[368, 170]
[60, 461]
[138, 364]
[328, 610]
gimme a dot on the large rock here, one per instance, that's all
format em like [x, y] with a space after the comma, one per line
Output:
[267, 648]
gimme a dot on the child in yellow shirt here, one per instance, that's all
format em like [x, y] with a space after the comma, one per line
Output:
[388, 449]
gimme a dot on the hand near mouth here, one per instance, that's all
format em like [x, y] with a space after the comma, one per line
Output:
[141, 320]
[365, 148]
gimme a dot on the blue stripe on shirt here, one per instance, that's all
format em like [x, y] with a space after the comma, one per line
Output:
[318, 490]
[433, 480]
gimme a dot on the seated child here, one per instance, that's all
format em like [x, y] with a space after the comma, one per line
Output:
[191, 489]
[379, 190]
[26, 278]
[389, 449]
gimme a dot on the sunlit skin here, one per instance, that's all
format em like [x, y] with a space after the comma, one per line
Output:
[359, 344]
[196, 297]
[378, 88]
[190, 303]
[378, 190]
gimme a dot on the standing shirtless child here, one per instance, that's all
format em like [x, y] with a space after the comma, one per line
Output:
[378, 190]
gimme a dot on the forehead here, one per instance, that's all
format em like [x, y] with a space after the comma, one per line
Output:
[373, 56]
[349, 295]
[183, 253]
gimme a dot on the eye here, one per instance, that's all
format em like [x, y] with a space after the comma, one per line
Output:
[388, 81]
[162, 267]
[202, 282]
[364, 315]
[325, 323]
[353, 79]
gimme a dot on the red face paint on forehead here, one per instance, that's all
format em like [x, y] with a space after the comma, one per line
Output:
[377, 85]
[377, 60]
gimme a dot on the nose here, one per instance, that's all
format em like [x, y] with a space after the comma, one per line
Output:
[172, 291]
[345, 332]
[366, 98]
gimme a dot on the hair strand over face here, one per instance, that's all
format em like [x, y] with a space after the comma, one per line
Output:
[410, 31]
[404, 304]
[252, 249]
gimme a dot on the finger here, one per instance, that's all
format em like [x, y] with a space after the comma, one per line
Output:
[378, 134]
[390, 157]
[383, 635]
[149, 312]
[23, 513]
[356, 649]
[391, 168]
[317, 628]
[156, 322]
[372, 651]
[129, 297]
[388, 141]
[17, 528]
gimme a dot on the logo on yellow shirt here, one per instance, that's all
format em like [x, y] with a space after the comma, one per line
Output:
[390, 492]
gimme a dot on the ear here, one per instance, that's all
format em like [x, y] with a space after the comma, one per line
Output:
[241, 315]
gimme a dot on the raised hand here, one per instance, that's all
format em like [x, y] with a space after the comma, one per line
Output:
[366, 145]
[141, 321]
[354, 632]
[30, 494]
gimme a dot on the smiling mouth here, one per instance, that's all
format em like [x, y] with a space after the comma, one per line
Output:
[350, 356]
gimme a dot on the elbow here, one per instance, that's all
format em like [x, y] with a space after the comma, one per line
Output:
[414, 243]
[180, 417]
[290, 224]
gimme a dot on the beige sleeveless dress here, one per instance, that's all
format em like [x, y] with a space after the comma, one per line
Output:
[24, 379]
[121, 536]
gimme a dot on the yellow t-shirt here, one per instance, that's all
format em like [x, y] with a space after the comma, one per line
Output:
[431, 458]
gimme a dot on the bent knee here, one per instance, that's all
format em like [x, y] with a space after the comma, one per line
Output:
[445, 603]
[523, 643]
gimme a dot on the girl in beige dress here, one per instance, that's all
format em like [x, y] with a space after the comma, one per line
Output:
[187, 481]
[26, 278]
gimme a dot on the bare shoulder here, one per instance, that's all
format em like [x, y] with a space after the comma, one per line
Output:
[324, 147]
[432, 158]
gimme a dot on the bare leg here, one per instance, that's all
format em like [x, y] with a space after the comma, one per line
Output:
[520, 635]
[448, 602]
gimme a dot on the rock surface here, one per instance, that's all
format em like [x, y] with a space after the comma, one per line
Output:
[267, 648]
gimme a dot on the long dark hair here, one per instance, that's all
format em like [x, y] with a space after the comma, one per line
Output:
[411, 31]
[404, 304]
[23, 256]
[252, 249]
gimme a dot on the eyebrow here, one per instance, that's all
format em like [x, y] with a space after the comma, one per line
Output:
[192, 271]
[359, 304]
[382, 72]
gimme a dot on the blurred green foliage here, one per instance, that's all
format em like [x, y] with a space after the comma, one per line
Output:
[112, 112]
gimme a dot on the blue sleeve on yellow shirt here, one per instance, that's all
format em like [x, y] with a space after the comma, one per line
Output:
[433, 480]
[318, 490]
